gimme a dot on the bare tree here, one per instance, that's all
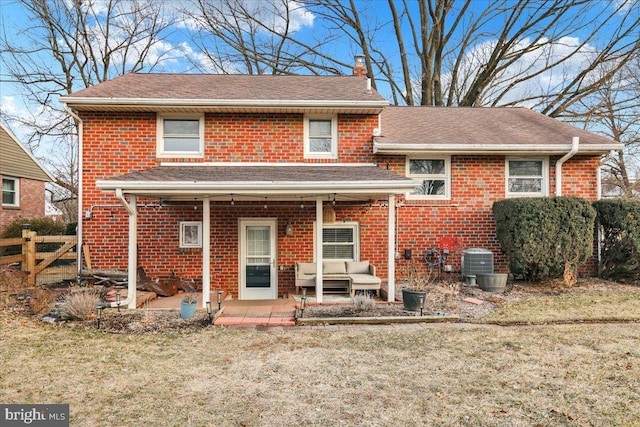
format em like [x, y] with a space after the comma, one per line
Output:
[614, 110]
[71, 45]
[237, 36]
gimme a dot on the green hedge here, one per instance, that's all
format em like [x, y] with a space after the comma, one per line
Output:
[43, 226]
[545, 237]
[620, 222]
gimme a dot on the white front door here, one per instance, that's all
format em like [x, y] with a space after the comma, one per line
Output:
[258, 272]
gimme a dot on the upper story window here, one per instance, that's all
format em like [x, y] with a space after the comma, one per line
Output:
[321, 137]
[527, 177]
[10, 191]
[435, 174]
[181, 136]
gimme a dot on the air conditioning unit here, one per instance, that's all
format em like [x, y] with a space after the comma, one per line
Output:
[476, 261]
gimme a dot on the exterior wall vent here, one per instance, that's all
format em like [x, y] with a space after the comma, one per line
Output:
[475, 261]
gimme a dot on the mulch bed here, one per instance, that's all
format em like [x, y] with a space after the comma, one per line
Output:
[448, 299]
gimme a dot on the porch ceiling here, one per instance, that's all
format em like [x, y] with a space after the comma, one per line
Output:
[257, 181]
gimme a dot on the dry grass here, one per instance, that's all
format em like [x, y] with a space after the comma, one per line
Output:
[580, 375]
[595, 301]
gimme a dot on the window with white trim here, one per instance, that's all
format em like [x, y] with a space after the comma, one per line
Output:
[341, 242]
[527, 177]
[10, 191]
[321, 137]
[435, 173]
[181, 135]
[191, 234]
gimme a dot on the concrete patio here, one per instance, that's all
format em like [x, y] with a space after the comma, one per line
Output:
[279, 312]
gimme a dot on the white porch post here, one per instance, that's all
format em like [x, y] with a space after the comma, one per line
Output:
[132, 268]
[206, 251]
[319, 249]
[391, 250]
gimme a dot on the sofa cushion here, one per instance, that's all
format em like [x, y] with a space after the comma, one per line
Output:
[364, 279]
[334, 267]
[358, 267]
[306, 270]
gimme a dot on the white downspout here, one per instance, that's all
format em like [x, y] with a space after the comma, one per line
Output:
[132, 268]
[319, 258]
[391, 250]
[79, 207]
[206, 251]
[575, 142]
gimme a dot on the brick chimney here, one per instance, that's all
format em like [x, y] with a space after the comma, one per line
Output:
[359, 69]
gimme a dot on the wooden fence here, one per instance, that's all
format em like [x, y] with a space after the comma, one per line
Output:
[35, 262]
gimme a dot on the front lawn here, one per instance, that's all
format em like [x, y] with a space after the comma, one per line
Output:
[411, 375]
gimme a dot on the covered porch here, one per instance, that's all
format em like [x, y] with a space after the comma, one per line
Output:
[263, 198]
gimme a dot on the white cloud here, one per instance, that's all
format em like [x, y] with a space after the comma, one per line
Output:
[532, 63]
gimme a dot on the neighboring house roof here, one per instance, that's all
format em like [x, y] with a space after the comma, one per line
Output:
[16, 161]
[225, 92]
[498, 130]
[292, 180]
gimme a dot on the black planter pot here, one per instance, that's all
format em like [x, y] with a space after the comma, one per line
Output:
[413, 300]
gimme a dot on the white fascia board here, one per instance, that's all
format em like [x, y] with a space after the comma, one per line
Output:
[271, 164]
[390, 148]
[260, 187]
[73, 101]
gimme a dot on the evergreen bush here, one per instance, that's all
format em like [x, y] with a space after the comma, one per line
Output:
[620, 222]
[42, 226]
[545, 237]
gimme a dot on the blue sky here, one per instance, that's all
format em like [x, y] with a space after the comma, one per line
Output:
[13, 17]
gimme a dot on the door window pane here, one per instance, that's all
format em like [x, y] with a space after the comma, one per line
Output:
[258, 261]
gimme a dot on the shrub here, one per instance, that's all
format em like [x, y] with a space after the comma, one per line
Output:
[545, 237]
[363, 302]
[80, 304]
[42, 226]
[620, 222]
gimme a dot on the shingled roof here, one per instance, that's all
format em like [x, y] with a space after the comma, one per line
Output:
[478, 129]
[225, 91]
[294, 180]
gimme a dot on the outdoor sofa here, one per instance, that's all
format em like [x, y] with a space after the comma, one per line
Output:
[360, 275]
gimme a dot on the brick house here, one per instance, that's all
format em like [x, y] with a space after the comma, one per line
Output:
[23, 181]
[210, 176]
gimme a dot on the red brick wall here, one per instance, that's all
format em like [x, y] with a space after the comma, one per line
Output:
[115, 144]
[32, 197]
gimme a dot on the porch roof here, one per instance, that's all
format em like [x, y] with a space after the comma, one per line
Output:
[284, 181]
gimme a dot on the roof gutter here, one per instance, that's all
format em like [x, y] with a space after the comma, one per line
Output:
[410, 148]
[267, 103]
[257, 187]
[575, 143]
